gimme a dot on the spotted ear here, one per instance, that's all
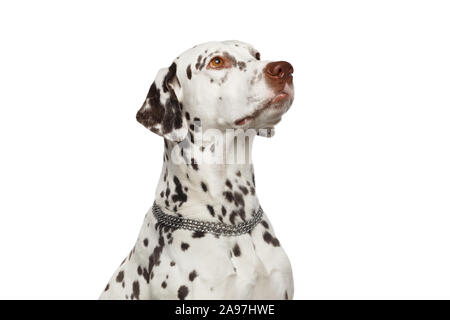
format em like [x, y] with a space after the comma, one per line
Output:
[162, 109]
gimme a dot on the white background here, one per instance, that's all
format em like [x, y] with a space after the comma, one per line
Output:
[356, 181]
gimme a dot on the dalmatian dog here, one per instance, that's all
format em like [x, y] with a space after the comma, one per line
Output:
[204, 106]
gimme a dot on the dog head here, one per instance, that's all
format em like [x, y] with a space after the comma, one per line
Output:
[224, 85]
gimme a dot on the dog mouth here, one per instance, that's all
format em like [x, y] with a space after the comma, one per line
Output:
[280, 97]
[273, 103]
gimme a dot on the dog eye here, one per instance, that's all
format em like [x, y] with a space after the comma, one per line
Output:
[216, 62]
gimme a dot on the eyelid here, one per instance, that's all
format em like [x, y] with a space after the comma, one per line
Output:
[217, 57]
[225, 64]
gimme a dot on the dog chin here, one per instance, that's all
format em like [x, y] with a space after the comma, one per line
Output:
[265, 119]
[267, 113]
[269, 119]
[281, 105]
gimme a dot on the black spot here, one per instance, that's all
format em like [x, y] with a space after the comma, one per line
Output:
[198, 234]
[241, 65]
[184, 246]
[107, 287]
[189, 72]
[236, 250]
[120, 276]
[270, 239]
[136, 289]
[188, 116]
[229, 196]
[146, 275]
[211, 210]
[197, 65]
[267, 237]
[238, 173]
[164, 285]
[233, 216]
[179, 194]
[238, 199]
[204, 187]
[275, 242]
[139, 270]
[224, 211]
[154, 258]
[241, 213]
[183, 291]
[172, 264]
[257, 56]
[265, 224]
[193, 275]
[145, 242]
[194, 164]
[286, 295]
[203, 63]
[244, 190]
[228, 184]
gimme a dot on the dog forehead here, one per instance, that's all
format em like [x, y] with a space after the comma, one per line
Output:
[234, 48]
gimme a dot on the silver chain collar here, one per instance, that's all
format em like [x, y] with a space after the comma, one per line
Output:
[216, 228]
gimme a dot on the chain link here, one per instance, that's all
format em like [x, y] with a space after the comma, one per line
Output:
[219, 229]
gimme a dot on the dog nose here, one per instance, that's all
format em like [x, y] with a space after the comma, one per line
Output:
[279, 70]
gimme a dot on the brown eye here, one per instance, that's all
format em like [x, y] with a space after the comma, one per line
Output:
[217, 62]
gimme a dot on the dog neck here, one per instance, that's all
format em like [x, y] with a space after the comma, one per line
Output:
[210, 179]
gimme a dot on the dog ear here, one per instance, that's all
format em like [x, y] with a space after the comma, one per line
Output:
[162, 109]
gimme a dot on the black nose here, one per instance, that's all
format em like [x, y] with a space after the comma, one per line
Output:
[279, 69]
